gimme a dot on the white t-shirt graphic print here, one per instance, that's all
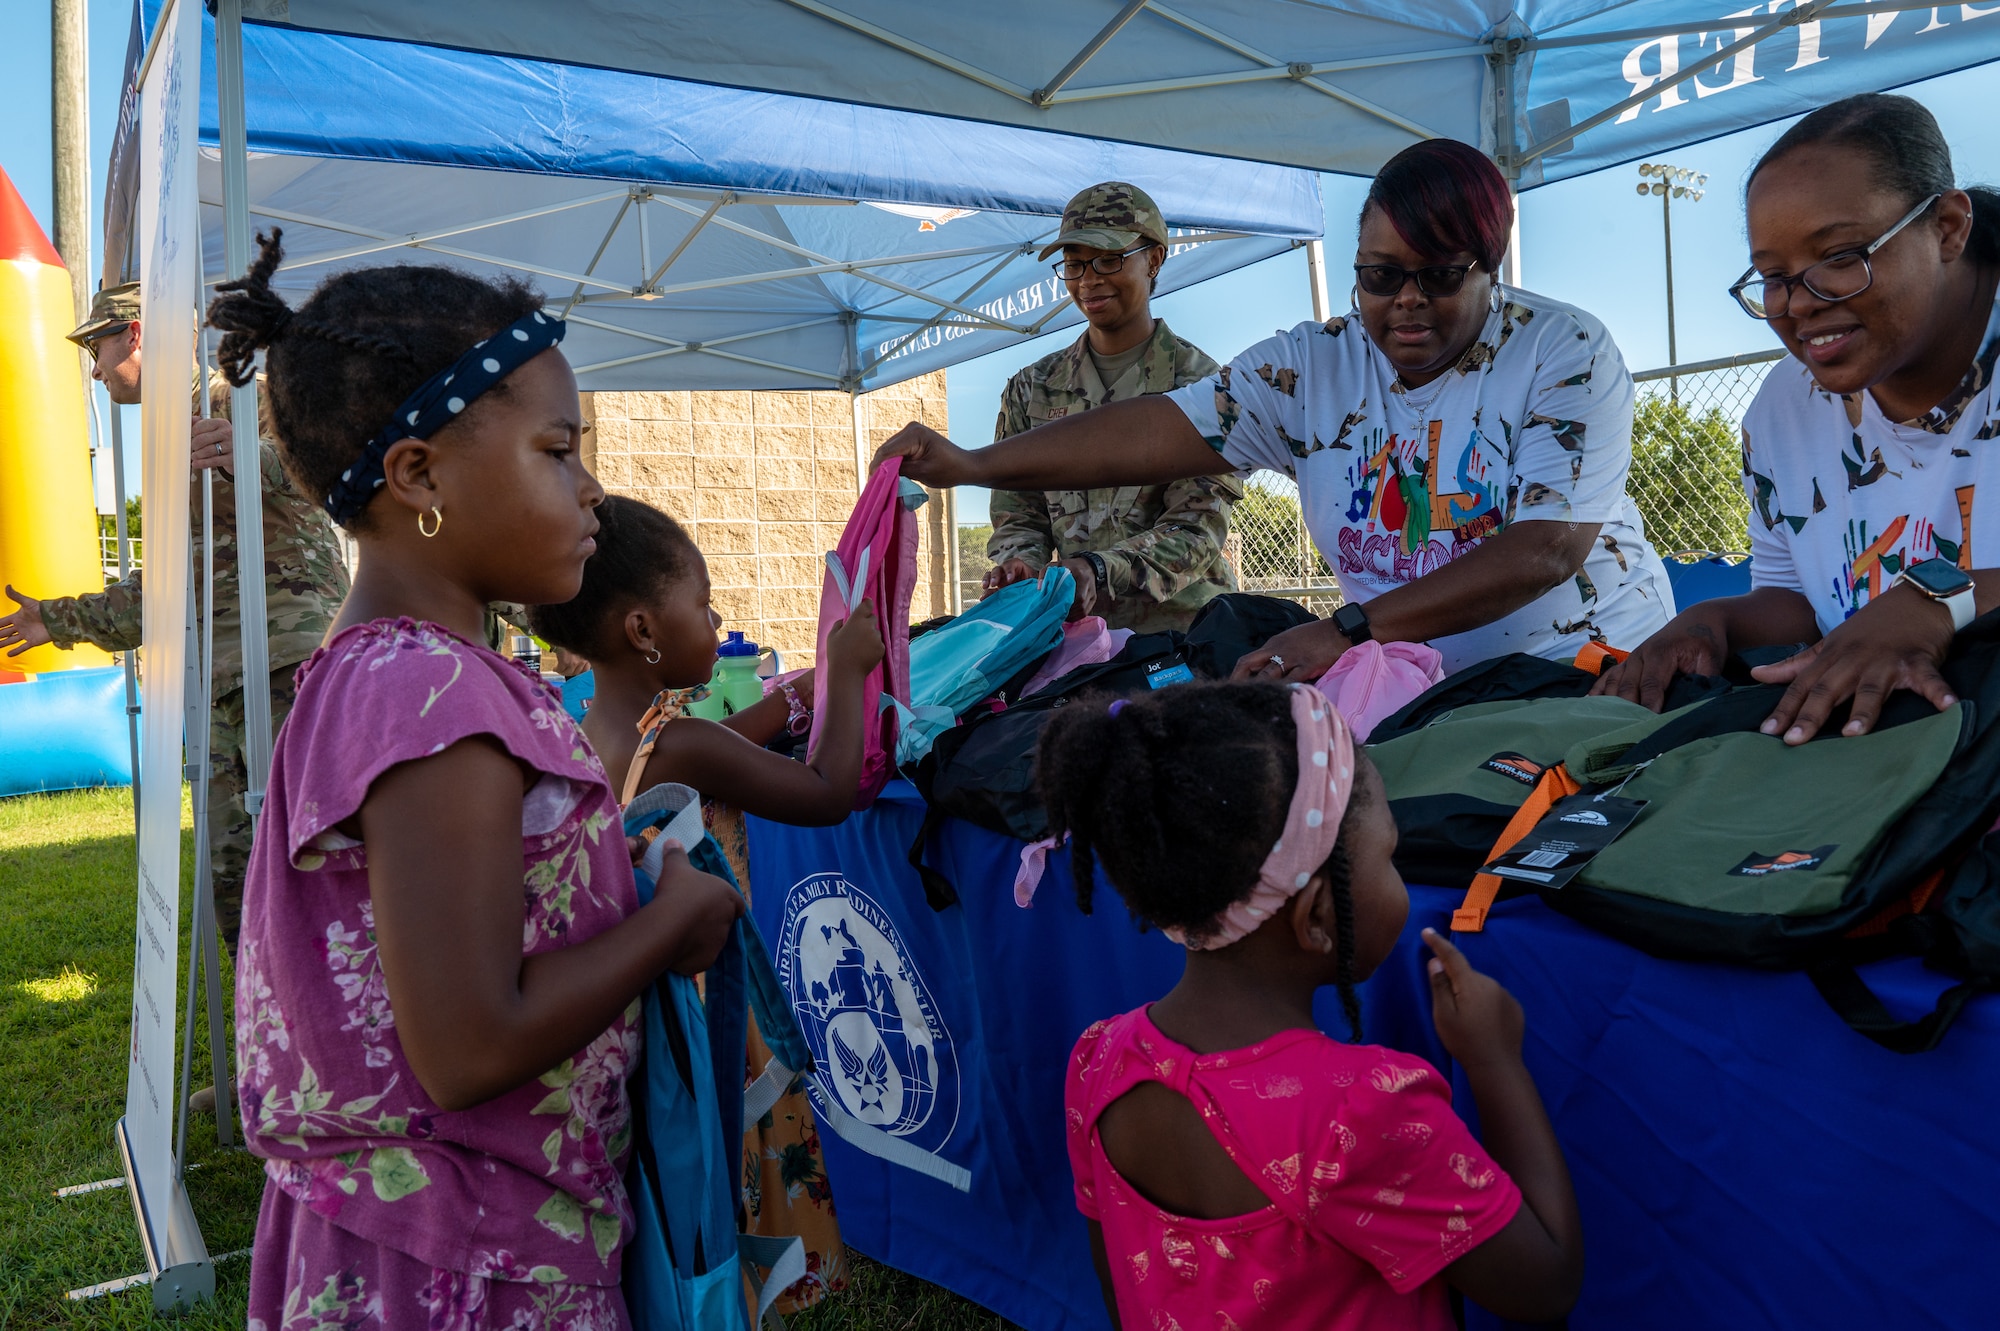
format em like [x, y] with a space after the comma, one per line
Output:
[1842, 499]
[1533, 424]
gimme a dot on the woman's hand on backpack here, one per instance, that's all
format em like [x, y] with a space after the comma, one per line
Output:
[854, 645]
[928, 457]
[700, 908]
[1301, 654]
[1477, 1020]
[1694, 642]
[1894, 643]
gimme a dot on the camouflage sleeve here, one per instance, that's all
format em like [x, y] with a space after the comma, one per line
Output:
[1021, 526]
[1184, 546]
[111, 619]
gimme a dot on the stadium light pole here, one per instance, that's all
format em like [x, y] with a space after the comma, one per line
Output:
[1668, 183]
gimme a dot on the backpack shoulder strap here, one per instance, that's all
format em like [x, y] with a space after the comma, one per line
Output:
[1555, 784]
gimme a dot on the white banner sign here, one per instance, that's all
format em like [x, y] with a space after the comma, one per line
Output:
[169, 235]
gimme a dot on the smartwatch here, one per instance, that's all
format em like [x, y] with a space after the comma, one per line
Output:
[1352, 621]
[1947, 584]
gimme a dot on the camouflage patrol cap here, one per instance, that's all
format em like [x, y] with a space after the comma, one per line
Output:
[110, 310]
[1111, 216]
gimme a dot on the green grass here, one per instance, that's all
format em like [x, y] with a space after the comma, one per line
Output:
[66, 913]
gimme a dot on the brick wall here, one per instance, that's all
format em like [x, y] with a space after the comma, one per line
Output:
[764, 483]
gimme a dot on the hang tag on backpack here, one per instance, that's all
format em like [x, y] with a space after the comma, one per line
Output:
[1173, 670]
[1572, 832]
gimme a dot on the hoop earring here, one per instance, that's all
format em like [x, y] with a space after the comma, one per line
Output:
[653, 657]
[435, 527]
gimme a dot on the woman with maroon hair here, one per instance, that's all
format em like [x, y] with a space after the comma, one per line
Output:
[1460, 447]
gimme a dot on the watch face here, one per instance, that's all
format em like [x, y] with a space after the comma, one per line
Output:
[1939, 577]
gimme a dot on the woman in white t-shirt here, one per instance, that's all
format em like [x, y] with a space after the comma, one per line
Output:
[1460, 447]
[1864, 454]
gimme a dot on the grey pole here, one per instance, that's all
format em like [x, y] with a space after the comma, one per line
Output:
[243, 410]
[69, 89]
[131, 658]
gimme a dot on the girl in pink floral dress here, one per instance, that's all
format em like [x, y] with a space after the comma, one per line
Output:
[442, 951]
[1240, 1169]
[644, 622]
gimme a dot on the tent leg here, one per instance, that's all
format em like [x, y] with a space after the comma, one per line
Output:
[243, 408]
[860, 442]
[1316, 278]
[955, 594]
[130, 658]
[1510, 267]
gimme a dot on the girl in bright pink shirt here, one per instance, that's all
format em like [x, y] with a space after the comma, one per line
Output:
[1238, 1168]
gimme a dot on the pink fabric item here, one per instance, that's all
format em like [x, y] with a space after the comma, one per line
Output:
[1375, 1185]
[532, 1179]
[1034, 862]
[1085, 642]
[876, 560]
[1372, 681]
[1319, 802]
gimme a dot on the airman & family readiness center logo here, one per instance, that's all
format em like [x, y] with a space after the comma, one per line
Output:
[881, 1052]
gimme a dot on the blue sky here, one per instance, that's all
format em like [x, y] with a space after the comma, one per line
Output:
[1590, 241]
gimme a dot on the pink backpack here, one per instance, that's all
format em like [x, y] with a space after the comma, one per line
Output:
[875, 561]
[1374, 680]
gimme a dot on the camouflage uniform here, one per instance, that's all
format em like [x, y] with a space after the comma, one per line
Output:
[305, 580]
[1162, 544]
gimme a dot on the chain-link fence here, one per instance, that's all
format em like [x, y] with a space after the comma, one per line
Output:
[1687, 453]
[1687, 466]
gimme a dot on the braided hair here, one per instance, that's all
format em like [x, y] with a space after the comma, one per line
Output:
[1181, 796]
[338, 366]
[640, 553]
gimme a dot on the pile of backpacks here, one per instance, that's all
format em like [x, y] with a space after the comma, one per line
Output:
[1814, 857]
[1732, 846]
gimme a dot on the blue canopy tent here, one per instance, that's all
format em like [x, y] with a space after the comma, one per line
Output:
[695, 236]
[1552, 88]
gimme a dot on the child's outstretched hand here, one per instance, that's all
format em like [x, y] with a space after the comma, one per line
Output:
[855, 643]
[1477, 1019]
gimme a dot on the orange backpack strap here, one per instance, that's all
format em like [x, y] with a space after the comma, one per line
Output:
[1556, 784]
[1596, 658]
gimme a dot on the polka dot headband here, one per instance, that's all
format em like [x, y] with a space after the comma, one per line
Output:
[441, 398]
[1319, 803]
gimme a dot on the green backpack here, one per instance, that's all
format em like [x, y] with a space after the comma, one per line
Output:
[1812, 857]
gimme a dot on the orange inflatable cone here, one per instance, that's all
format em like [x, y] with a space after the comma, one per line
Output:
[48, 522]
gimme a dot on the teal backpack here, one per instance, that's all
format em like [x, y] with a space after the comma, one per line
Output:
[972, 656]
[685, 1265]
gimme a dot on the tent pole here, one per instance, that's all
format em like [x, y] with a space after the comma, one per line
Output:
[130, 658]
[860, 440]
[1316, 278]
[243, 409]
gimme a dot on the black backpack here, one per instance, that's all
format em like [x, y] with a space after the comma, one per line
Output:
[983, 769]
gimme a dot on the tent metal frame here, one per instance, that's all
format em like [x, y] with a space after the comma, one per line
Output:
[689, 200]
[1503, 50]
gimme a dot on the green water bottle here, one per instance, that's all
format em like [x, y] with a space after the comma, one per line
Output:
[735, 679]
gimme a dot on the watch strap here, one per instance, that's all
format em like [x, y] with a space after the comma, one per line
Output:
[1352, 621]
[1959, 604]
[1097, 566]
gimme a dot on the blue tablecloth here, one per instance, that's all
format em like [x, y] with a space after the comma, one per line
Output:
[1742, 1159]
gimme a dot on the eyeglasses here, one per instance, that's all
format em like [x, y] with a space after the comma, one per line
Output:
[1837, 277]
[1386, 279]
[95, 345]
[1105, 264]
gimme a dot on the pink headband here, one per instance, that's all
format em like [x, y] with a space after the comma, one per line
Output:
[1319, 802]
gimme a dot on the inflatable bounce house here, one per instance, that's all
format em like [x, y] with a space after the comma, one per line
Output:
[62, 713]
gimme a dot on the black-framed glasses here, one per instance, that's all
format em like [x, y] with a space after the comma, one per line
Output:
[1386, 279]
[1105, 264]
[1837, 277]
[96, 344]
